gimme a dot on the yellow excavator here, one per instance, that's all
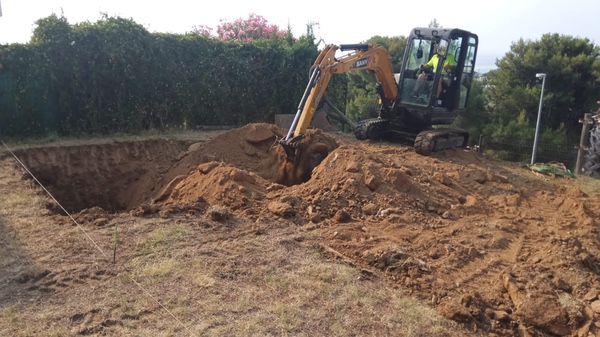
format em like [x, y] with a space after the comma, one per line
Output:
[411, 102]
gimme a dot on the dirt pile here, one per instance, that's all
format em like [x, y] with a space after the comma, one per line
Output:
[495, 248]
[488, 244]
[237, 169]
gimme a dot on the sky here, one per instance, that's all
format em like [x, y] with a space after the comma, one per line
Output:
[498, 23]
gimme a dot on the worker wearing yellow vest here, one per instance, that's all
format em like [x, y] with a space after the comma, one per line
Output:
[431, 66]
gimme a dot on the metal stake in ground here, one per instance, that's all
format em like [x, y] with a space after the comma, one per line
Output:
[115, 244]
[539, 117]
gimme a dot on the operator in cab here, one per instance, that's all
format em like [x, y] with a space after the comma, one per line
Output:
[428, 69]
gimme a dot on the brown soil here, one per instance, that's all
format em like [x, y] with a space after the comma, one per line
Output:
[486, 243]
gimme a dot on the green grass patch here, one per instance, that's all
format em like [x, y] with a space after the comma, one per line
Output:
[159, 240]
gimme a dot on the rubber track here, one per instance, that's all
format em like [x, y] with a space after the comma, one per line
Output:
[425, 142]
[365, 128]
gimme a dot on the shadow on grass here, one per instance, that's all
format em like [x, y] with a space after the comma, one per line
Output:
[19, 274]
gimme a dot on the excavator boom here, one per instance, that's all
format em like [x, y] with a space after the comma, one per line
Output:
[370, 57]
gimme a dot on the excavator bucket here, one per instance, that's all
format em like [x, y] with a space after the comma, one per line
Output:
[291, 147]
[300, 158]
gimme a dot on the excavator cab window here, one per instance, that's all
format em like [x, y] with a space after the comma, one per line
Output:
[417, 83]
[419, 51]
[468, 72]
[441, 92]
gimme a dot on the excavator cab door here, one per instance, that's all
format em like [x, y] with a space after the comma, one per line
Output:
[437, 93]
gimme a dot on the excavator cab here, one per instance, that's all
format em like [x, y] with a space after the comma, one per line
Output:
[437, 95]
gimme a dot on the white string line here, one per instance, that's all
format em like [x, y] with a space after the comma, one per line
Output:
[84, 232]
[162, 306]
[53, 198]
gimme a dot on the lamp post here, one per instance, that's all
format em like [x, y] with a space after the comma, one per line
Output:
[537, 126]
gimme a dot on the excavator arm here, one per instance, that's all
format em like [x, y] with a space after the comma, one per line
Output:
[369, 57]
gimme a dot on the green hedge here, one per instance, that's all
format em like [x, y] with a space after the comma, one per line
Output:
[114, 76]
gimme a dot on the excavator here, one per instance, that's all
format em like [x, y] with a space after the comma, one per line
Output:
[409, 103]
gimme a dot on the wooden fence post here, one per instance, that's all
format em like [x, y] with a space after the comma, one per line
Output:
[583, 146]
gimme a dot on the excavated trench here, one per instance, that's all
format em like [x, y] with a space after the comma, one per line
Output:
[120, 176]
[115, 176]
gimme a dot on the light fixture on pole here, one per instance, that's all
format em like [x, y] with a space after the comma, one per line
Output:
[537, 126]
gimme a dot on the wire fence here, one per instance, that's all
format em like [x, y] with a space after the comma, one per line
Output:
[521, 151]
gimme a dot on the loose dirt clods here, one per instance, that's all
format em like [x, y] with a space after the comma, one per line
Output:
[483, 242]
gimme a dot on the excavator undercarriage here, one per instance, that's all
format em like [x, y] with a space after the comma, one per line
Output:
[425, 142]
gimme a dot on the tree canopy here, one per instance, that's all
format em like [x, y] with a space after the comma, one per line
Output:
[572, 69]
[255, 27]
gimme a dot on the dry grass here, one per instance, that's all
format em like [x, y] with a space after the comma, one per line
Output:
[218, 213]
[55, 140]
[185, 276]
[20, 207]
[588, 185]
[19, 203]
[230, 288]
[271, 285]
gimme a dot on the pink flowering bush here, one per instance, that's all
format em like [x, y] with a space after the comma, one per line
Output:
[255, 27]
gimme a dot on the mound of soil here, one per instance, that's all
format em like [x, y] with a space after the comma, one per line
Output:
[493, 249]
[487, 244]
